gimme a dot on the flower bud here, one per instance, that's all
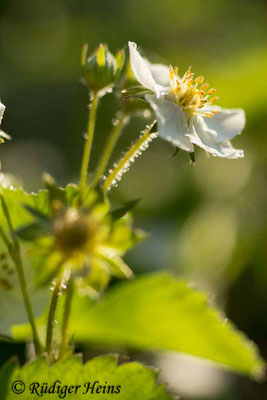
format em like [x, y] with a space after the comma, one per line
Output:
[101, 69]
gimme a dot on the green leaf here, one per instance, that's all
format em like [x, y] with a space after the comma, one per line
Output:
[6, 372]
[129, 381]
[37, 203]
[159, 312]
[16, 199]
[24, 208]
[12, 310]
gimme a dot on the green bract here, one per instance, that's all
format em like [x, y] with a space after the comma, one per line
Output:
[101, 69]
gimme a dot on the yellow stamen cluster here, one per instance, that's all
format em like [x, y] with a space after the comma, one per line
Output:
[187, 93]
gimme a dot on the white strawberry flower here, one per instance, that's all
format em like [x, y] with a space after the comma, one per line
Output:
[185, 109]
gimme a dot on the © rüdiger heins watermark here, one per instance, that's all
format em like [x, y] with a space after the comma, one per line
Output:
[44, 389]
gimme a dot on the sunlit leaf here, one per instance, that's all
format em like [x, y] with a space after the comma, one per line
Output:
[159, 312]
[129, 381]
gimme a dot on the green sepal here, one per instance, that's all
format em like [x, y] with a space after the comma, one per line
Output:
[120, 59]
[176, 151]
[31, 232]
[41, 217]
[100, 71]
[192, 158]
[50, 265]
[120, 211]
[55, 193]
[136, 92]
[118, 267]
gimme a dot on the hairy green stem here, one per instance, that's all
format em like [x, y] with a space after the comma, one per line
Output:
[15, 253]
[51, 317]
[6, 214]
[135, 150]
[5, 238]
[89, 141]
[66, 318]
[109, 147]
[19, 266]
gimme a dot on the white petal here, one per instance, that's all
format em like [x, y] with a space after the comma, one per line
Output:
[2, 110]
[227, 124]
[172, 123]
[4, 135]
[202, 136]
[142, 71]
[161, 74]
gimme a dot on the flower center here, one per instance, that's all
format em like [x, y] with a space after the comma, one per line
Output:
[72, 231]
[187, 93]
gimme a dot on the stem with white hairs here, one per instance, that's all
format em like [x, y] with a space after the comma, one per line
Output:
[129, 157]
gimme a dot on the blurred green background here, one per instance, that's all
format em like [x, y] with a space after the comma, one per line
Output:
[207, 223]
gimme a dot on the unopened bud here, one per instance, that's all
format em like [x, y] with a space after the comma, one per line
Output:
[101, 69]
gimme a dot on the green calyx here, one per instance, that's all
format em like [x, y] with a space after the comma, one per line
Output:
[88, 240]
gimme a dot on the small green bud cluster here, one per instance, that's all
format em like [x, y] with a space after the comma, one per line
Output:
[101, 70]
